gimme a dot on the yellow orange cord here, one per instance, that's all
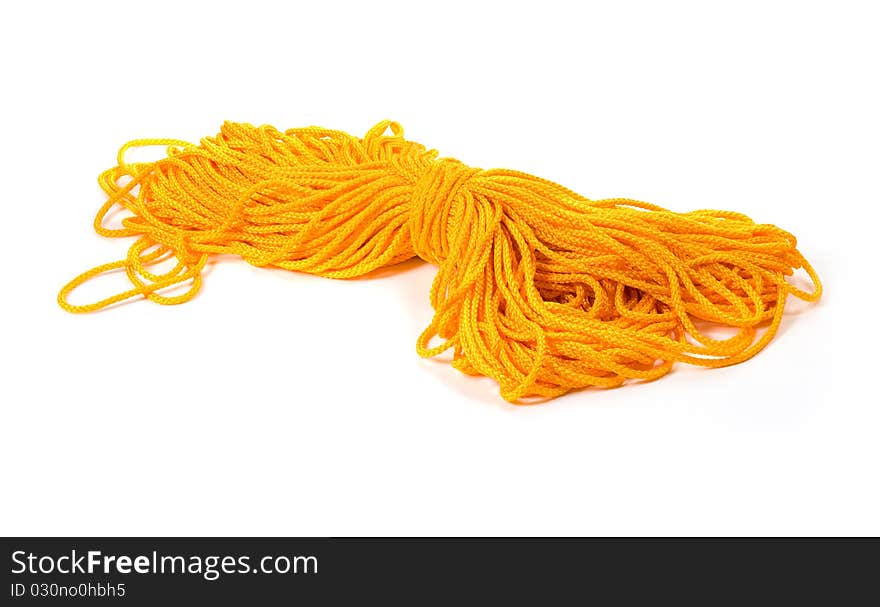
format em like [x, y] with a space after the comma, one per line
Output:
[538, 287]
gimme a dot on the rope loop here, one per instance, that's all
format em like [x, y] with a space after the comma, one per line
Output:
[538, 287]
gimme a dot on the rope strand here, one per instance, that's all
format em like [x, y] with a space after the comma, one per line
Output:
[537, 287]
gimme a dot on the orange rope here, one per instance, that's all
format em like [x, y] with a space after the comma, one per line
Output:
[538, 287]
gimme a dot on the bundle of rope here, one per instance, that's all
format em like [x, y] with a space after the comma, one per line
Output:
[538, 287]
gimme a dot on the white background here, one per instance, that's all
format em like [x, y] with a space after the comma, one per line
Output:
[284, 404]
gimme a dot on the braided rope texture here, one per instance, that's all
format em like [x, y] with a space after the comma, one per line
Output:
[538, 287]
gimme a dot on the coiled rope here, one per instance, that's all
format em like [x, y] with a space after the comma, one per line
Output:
[538, 287]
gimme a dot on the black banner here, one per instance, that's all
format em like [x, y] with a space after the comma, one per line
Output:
[317, 571]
